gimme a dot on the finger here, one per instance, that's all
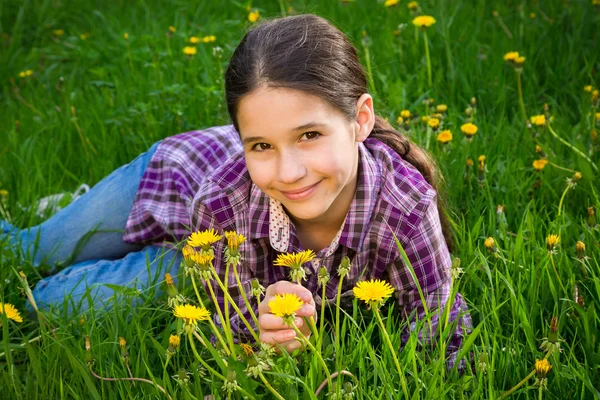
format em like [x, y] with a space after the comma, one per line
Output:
[271, 322]
[277, 336]
[307, 310]
[282, 287]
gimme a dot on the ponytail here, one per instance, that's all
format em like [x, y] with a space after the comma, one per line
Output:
[422, 161]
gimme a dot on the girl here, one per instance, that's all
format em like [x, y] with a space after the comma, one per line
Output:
[307, 164]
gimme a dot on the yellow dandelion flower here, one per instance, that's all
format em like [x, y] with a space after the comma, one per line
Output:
[539, 165]
[122, 341]
[405, 114]
[469, 129]
[174, 341]
[58, 32]
[190, 50]
[191, 314]
[552, 241]
[511, 56]
[3, 192]
[194, 40]
[126, 36]
[84, 36]
[400, 121]
[542, 367]
[294, 260]
[373, 291]
[172, 29]
[490, 243]
[469, 162]
[169, 279]
[444, 137]
[26, 73]
[389, 3]
[433, 123]
[204, 238]
[11, 312]
[520, 60]
[253, 16]
[234, 240]
[285, 305]
[538, 120]
[588, 88]
[580, 246]
[203, 258]
[424, 21]
[209, 39]
[413, 5]
[595, 95]
[441, 108]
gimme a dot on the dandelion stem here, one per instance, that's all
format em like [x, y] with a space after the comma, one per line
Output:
[575, 149]
[312, 348]
[540, 393]
[560, 203]
[211, 370]
[562, 168]
[130, 379]
[227, 322]
[520, 89]
[210, 321]
[428, 58]
[235, 307]
[282, 8]
[322, 323]
[518, 385]
[558, 276]
[268, 385]
[224, 323]
[337, 321]
[389, 343]
[239, 283]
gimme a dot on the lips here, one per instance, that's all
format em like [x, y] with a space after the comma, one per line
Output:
[301, 193]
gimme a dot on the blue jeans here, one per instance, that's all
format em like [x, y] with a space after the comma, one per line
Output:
[87, 236]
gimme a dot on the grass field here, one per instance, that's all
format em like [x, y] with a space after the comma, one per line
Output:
[108, 79]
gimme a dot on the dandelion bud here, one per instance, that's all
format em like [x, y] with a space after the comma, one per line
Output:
[456, 270]
[469, 162]
[230, 384]
[580, 248]
[540, 151]
[594, 135]
[344, 267]
[124, 353]
[473, 102]
[88, 352]
[171, 289]
[482, 363]
[323, 277]
[576, 176]
[174, 342]
[468, 111]
[182, 376]
[591, 218]
[257, 289]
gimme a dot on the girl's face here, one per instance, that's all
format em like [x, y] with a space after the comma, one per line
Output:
[302, 151]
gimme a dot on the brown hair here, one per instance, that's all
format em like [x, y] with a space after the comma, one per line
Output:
[308, 53]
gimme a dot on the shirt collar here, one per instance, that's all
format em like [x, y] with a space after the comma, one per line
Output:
[269, 220]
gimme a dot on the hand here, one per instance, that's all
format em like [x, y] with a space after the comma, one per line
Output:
[272, 329]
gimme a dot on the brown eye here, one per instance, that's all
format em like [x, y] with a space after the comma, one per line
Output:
[312, 135]
[261, 146]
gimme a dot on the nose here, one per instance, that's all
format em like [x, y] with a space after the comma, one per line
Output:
[291, 168]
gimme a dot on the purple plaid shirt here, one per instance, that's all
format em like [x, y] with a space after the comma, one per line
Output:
[199, 180]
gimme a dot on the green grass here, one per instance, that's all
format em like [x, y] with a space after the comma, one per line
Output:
[92, 105]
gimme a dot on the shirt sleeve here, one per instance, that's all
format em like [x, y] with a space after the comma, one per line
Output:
[428, 254]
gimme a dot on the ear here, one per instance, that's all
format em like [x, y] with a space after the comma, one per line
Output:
[365, 117]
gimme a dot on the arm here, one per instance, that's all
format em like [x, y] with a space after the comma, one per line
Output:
[428, 254]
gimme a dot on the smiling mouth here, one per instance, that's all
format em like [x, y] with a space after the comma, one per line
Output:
[300, 193]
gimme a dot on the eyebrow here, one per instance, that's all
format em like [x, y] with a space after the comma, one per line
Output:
[298, 128]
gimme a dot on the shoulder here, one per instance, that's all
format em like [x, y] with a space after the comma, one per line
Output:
[405, 195]
[224, 194]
